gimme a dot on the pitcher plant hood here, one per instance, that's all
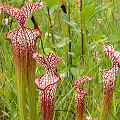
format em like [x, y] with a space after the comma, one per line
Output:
[21, 15]
[109, 50]
[47, 84]
[80, 96]
[81, 80]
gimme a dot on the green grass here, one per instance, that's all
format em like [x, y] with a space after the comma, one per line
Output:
[93, 40]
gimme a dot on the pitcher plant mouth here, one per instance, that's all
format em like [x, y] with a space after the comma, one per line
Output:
[47, 84]
[23, 41]
[80, 97]
[109, 79]
[40, 80]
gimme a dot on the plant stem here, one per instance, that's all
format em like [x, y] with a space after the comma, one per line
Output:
[114, 104]
[82, 44]
[37, 27]
[21, 91]
[70, 59]
[30, 81]
[63, 6]
[34, 22]
[105, 107]
[69, 33]
[61, 107]
[51, 26]
[31, 89]
[1, 65]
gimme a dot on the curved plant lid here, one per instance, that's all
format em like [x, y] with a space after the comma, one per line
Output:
[21, 15]
[110, 51]
[49, 63]
[81, 80]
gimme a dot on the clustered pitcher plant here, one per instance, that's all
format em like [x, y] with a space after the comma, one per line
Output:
[80, 97]
[23, 41]
[109, 79]
[47, 84]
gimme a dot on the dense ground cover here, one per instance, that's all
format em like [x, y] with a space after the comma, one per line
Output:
[100, 24]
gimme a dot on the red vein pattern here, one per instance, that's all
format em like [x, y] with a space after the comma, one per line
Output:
[80, 96]
[21, 15]
[23, 42]
[82, 79]
[46, 84]
[49, 63]
[47, 101]
[113, 55]
[109, 79]
[110, 74]
[22, 39]
[79, 102]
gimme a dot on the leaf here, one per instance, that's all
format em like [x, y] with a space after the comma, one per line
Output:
[84, 15]
[47, 50]
[51, 3]
[62, 43]
[114, 38]
[94, 36]
[15, 114]
[88, 2]
[74, 71]
[104, 40]
[72, 53]
[96, 43]
[99, 9]
[108, 13]
[74, 25]
[93, 45]
[29, 23]
[43, 28]
[57, 35]
[5, 114]
[64, 17]
[52, 9]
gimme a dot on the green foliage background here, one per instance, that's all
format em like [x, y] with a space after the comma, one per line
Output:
[109, 14]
